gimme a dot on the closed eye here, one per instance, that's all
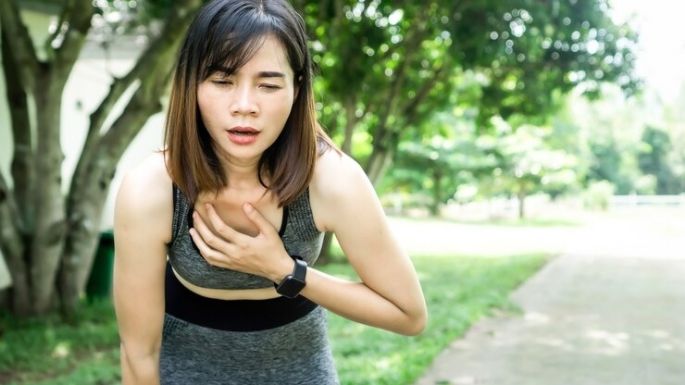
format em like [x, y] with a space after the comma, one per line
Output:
[222, 81]
[271, 86]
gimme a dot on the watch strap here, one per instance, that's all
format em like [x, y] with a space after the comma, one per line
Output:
[293, 283]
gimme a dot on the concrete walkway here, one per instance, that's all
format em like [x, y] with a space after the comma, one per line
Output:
[610, 310]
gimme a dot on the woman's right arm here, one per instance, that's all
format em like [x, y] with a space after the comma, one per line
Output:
[142, 227]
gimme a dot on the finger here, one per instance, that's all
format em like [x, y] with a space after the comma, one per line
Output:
[212, 256]
[264, 226]
[213, 240]
[218, 224]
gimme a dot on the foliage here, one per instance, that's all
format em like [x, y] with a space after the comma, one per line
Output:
[598, 195]
[505, 161]
[530, 164]
[459, 291]
[389, 66]
[635, 143]
[431, 169]
[653, 160]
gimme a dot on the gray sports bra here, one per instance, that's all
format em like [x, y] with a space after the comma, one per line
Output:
[298, 232]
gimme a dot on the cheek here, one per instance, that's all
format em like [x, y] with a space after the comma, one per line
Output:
[204, 100]
[284, 108]
[207, 110]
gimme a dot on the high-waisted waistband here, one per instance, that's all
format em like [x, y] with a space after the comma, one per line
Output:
[234, 315]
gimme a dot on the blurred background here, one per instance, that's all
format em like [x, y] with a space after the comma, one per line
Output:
[498, 134]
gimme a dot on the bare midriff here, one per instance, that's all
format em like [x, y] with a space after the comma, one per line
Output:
[229, 294]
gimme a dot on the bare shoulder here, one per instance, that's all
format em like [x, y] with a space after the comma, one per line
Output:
[145, 199]
[338, 182]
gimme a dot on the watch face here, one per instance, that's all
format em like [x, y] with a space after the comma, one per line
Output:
[295, 282]
[290, 287]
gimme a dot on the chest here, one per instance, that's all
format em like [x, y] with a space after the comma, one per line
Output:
[229, 207]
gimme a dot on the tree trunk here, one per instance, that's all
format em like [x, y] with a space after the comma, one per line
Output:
[14, 251]
[86, 203]
[47, 239]
[97, 167]
[437, 193]
[521, 196]
[22, 167]
[16, 204]
[378, 163]
[384, 146]
[50, 219]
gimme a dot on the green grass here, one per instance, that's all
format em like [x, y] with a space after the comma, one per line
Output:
[459, 291]
[48, 351]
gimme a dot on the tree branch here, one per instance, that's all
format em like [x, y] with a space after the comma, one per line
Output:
[147, 64]
[51, 41]
[21, 44]
[22, 160]
[78, 14]
[410, 108]
[10, 236]
[389, 101]
[144, 102]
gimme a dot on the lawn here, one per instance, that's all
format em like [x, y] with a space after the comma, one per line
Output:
[459, 291]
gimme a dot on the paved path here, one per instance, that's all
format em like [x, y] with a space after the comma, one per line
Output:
[610, 311]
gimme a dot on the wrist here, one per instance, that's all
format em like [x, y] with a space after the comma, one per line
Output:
[284, 267]
[291, 285]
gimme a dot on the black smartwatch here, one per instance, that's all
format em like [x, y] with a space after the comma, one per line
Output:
[293, 283]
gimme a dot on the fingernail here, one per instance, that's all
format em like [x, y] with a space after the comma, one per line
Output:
[248, 207]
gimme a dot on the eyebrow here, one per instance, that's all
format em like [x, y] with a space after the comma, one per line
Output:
[271, 74]
[261, 74]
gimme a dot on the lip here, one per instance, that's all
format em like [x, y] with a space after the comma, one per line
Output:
[242, 135]
[244, 129]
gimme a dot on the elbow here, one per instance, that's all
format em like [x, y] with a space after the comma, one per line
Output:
[139, 365]
[415, 325]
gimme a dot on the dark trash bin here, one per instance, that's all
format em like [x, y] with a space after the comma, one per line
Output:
[99, 284]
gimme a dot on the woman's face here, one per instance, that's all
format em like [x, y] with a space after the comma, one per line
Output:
[245, 112]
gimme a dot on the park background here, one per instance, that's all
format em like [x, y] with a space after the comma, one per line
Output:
[493, 131]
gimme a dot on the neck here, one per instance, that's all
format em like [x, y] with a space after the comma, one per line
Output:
[241, 173]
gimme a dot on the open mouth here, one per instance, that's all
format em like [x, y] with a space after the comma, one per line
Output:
[243, 131]
[242, 135]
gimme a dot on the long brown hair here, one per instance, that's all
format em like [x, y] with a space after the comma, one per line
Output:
[224, 35]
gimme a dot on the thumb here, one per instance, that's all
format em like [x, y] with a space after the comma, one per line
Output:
[258, 219]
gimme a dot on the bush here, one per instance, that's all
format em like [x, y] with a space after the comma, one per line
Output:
[598, 194]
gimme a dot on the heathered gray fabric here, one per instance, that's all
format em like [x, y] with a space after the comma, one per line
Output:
[301, 237]
[297, 353]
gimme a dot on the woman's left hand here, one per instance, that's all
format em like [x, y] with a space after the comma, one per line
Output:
[222, 246]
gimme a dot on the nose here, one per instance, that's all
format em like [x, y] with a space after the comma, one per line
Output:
[244, 102]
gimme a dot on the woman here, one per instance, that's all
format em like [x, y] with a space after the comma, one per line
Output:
[217, 234]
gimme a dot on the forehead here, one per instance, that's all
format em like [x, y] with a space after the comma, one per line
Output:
[269, 56]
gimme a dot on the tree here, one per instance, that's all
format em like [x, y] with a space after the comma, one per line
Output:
[432, 169]
[49, 238]
[653, 159]
[389, 66]
[528, 164]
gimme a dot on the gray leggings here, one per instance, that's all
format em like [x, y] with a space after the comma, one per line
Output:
[295, 353]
